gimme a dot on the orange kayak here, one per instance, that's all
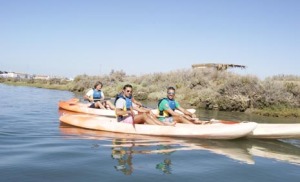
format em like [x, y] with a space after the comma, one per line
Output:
[75, 106]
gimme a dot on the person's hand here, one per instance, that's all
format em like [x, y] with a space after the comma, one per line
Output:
[186, 117]
[194, 116]
[152, 114]
[139, 104]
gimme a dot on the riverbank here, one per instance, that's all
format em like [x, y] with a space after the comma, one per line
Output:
[39, 85]
[279, 112]
[278, 96]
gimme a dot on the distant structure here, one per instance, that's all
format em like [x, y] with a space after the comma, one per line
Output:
[6, 74]
[219, 67]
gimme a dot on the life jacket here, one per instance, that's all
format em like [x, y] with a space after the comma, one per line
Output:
[172, 105]
[127, 105]
[97, 94]
[128, 101]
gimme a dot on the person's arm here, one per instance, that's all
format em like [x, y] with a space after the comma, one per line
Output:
[88, 95]
[102, 96]
[186, 112]
[141, 109]
[136, 102]
[121, 112]
[173, 113]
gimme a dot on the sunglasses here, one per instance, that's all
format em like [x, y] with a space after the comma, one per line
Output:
[171, 93]
[129, 91]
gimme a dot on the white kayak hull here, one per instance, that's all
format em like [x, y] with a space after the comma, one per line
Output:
[208, 131]
[271, 130]
[275, 131]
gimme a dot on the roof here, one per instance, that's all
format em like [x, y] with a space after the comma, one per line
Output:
[218, 66]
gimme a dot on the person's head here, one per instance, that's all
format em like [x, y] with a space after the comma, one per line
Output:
[171, 92]
[98, 85]
[127, 90]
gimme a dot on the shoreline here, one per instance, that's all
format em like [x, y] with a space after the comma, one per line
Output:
[268, 112]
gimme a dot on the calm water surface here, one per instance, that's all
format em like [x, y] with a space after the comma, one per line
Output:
[35, 146]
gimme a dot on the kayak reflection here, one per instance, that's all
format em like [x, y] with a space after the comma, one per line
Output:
[279, 150]
[125, 146]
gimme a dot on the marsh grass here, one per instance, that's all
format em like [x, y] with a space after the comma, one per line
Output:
[206, 88]
[277, 112]
[39, 84]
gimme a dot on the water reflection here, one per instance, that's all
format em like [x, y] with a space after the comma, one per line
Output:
[123, 155]
[241, 116]
[166, 165]
[124, 147]
[123, 150]
[275, 149]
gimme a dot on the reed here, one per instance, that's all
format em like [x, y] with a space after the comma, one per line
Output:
[206, 88]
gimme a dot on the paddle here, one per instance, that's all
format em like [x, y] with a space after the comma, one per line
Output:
[146, 107]
[132, 115]
[223, 121]
[73, 100]
[102, 99]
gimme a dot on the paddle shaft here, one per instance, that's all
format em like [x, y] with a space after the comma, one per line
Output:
[102, 99]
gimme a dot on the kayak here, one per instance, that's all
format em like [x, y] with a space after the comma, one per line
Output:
[262, 130]
[75, 106]
[207, 131]
[276, 131]
[272, 131]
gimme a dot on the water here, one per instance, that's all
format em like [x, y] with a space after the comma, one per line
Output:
[35, 146]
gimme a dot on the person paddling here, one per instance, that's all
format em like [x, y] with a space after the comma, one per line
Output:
[96, 97]
[167, 107]
[124, 110]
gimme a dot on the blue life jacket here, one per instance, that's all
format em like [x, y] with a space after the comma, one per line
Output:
[97, 94]
[127, 99]
[171, 102]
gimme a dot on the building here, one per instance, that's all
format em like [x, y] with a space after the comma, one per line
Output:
[15, 75]
[218, 67]
[41, 77]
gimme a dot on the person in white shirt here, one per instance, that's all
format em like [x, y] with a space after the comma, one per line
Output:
[97, 98]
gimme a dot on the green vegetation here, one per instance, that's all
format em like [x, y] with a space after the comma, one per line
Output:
[277, 112]
[56, 84]
[206, 88]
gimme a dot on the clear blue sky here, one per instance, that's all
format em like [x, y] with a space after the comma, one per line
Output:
[72, 37]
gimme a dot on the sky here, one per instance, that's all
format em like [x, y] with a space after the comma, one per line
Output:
[93, 37]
